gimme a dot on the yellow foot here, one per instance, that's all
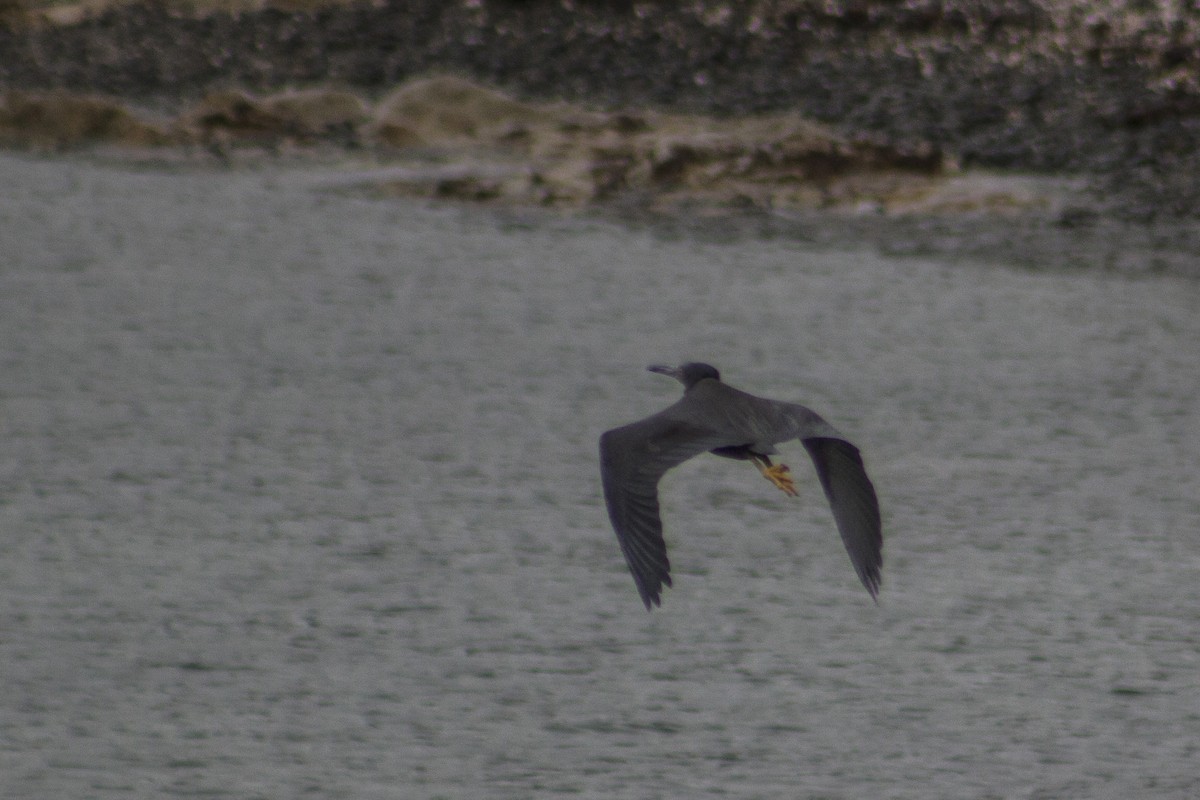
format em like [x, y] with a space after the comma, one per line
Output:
[779, 475]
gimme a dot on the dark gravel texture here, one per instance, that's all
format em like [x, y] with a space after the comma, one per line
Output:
[1005, 85]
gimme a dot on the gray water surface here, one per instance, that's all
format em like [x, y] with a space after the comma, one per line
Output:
[299, 498]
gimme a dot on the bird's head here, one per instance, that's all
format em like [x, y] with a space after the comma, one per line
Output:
[688, 374]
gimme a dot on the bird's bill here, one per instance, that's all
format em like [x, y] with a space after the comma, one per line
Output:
[674, 372]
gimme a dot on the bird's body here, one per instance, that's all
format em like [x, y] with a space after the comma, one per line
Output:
[715, 417]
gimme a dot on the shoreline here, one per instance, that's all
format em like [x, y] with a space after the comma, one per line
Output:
[919, 110]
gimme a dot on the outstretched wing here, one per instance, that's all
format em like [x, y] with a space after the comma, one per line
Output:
[855, 506]
[633, 459]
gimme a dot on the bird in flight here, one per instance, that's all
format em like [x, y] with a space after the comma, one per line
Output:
[713, 417]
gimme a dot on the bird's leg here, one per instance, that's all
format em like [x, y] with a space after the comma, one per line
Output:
[778, 474]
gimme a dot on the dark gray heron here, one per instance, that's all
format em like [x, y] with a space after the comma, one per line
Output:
[713, 417]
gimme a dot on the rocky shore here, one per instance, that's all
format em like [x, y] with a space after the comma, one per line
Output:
[777, 103]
